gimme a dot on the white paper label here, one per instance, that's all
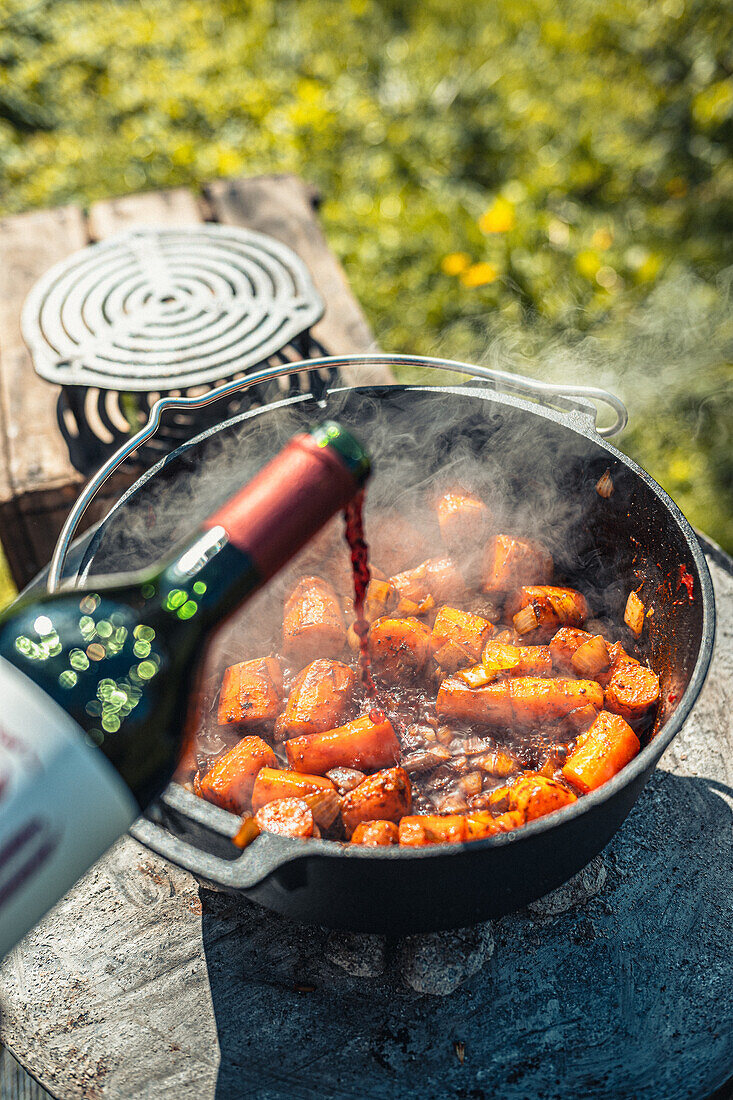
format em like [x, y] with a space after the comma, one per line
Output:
[62, 804]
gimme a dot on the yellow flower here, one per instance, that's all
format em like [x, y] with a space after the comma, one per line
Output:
[588, 263]
[480, 275]
[602, 239]
[499, 218]
[455, 263]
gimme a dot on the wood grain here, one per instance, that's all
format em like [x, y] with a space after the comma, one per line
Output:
[619, 984]
[36, 458]
[161, 209]
[285, 207]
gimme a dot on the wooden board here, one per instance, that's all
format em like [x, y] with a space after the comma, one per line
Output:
[36, 462]
[619, 984]
[162, 209]
[38, 483]
[285, 207]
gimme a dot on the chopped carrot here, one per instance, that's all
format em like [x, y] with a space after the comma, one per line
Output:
[385, 796]
[465, 631]
[601, 752]
[481, 824]
[423, 829]
[524, 701]
[438, 577]
[364, 743]
[286, 817]
[230, 782]
[553, 607]
[313, 626]
[532, 796]
[399, 648]
[273, 784]
[511, 562]
[251, 693]
[375, 834]
[320, 698]
[463, 519]
[511, 660]
[565, 643]
[248, 831]
[632, 690]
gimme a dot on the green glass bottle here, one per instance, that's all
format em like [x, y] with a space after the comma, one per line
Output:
[96, 683]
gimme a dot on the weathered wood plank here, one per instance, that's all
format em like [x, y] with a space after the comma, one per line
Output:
[285, 207]
[618, 984]
[167, 209]
[36, 458]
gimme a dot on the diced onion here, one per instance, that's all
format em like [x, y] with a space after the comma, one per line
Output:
[248, 830]
[444, 734]
[591, 658]
[498, 657]
[471, 783]
[476, 676]
[526, 620]
[426, 760]
[634, 614]
[604, 488]
[324, 805]
[496, 762]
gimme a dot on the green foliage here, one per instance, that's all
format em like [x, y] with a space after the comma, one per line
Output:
[494, 175]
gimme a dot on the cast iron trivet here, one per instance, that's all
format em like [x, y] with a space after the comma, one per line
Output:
[161, 311]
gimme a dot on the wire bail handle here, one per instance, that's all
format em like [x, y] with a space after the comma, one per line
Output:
[501, 380]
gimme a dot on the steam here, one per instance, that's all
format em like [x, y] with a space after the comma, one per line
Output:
[649, 354]
[536, 478]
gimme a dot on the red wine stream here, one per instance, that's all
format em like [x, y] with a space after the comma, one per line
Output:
[359, 551]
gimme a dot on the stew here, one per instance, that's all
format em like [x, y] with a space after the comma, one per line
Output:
[454, 700]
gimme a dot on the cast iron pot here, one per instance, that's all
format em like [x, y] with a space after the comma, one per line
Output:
[636, 539]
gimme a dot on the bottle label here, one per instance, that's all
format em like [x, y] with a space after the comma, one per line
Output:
[62, 804]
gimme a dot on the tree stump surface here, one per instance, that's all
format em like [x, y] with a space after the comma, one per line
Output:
[619, 984]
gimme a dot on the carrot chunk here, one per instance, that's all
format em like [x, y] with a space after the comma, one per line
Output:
[632, 690]
[553, 607]
[438, 577]
[251, 693]
[286, 817]
[230, 782]
[531, 796]
[601, 752]
[423, 829]
[399, 648]
[385, 796]
[319, 698]
[565, 643]
[313, 625]
[523, 701]
[463, 519]
[511, 562]
[480, 825]
[273, 784]
[462, 631]
[363, 743]
[516, 660]
[375, 834]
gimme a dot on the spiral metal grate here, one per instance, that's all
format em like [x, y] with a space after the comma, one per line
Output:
[160, 311]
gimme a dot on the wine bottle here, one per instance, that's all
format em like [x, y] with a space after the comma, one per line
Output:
[95, 684]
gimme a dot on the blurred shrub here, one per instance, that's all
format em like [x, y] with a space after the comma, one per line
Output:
[489, 171]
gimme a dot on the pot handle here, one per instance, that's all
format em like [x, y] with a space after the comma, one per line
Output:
[264, 855]
[579, 398]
